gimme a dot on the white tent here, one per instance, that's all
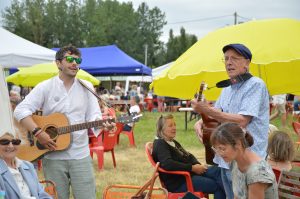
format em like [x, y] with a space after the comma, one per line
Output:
[160, 69]
[14, 52]
[155, 72]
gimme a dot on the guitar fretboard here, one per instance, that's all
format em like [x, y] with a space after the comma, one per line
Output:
[86, 125]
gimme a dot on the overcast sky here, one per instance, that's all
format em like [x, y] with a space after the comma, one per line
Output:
[200, 17]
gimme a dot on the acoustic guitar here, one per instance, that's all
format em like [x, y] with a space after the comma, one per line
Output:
[209, 124]
[57, 126]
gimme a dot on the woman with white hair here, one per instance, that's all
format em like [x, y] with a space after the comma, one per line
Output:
[18, 178]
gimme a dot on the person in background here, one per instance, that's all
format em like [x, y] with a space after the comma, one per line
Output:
[134, 108]
[280, 151]
[244, 100]
[64, 94]
[173, 157]
[279, 102]
[296, 111]
[107, 112]
[118, 86]
[252, 176]
[18, 178]
[160, 103]
[133, 91]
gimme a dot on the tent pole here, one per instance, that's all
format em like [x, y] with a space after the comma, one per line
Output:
[110, 85]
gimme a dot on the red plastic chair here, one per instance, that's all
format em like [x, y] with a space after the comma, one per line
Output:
[39, 164]
[149, 104]
[296, 127]
[105, 143]
[130, 135]
[277, 173]
[190, 188]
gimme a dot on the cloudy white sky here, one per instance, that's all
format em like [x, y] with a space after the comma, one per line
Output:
[199, 17]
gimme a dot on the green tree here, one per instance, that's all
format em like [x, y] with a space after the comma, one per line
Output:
[54, 23]
[151, 23]
[73, 25]
[177, 45]
[15, 20]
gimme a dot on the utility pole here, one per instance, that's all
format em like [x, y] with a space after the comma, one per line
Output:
[235, 18]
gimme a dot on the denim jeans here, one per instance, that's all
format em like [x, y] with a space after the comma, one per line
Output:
[209, 182]
[227, 182]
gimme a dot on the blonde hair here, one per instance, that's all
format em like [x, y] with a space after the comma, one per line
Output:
[280, 147]
[161, 125]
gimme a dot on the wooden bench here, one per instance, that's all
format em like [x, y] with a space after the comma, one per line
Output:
[289, 185]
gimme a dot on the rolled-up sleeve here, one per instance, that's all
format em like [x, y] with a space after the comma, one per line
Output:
[32, 102]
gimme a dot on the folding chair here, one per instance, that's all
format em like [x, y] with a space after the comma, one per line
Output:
[50, 188]
[146, 191]
[130, 135]
[296, 127]
[105, 143]
[190, 188]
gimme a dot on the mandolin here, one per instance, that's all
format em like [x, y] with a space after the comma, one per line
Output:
[209, 124]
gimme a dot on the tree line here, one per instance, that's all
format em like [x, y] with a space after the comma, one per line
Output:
[55, 23]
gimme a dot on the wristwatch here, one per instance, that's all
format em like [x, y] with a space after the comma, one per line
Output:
[34, 131]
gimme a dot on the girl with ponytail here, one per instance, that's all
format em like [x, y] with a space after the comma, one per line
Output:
[252, 176]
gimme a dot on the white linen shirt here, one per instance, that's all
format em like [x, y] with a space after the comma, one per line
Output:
[77, 104]
[134, 109]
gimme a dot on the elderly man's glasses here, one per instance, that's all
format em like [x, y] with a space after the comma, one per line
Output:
[233, 59]
[70, 59]
[13, 141]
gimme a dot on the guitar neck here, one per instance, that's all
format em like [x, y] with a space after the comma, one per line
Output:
[86, 125]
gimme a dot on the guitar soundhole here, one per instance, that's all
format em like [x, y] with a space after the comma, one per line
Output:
[52, 132]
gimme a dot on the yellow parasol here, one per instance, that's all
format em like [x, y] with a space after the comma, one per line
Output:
[33, 75]
[275, 45]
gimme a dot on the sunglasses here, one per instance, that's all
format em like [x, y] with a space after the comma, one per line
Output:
[13, 141]
[70, 59]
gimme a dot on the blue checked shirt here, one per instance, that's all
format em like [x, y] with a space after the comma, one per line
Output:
[248, 98]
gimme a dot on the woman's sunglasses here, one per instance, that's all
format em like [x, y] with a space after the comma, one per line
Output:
[13, 141]
[70, 59]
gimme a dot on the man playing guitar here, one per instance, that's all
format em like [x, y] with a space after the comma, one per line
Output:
[64, 94]
[245, 101]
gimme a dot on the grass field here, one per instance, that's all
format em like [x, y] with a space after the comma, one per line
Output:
[132, 165]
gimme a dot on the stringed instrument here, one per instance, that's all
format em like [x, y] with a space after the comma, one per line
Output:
[209, 124]
[57, 126]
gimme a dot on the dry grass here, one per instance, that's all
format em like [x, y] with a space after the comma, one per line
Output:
[132, 165]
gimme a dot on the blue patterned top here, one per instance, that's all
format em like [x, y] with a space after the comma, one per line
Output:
[248, 98]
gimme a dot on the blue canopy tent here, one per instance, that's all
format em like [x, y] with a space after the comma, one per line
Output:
[109, 61]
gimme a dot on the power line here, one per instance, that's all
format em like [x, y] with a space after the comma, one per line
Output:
[203, 19]
[207, 19]
[244, 17]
